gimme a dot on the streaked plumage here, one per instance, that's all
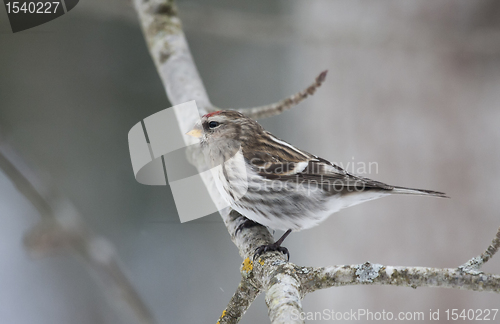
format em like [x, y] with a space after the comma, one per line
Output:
[288, 188]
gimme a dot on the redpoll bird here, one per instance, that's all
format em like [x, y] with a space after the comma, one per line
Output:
[275, 184]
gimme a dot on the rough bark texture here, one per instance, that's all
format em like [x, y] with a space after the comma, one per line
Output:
[285, 284]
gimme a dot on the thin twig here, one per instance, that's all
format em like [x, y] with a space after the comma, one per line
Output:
[285, 104]
[474, 265]
[492, 249]
[285, 283]
[62, 228]
[24, 186]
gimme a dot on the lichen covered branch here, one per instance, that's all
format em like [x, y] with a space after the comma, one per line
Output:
[313, 279]
[492, 249]
[285, 104]
[285, 284]
[242, 299]
[474, 265]
[168, 47]
[170, 52]
[248, 239]
[283, 297]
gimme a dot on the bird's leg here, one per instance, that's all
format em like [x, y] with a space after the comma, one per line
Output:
[247, 223]
[274, 247]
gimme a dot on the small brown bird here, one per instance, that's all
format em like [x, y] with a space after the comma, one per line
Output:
[275, 184]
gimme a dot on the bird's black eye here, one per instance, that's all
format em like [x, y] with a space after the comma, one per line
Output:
[213, 124]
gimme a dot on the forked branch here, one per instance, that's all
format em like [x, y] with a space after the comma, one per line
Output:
[285, 283]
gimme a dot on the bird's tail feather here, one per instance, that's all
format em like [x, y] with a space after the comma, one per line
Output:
[422, 192]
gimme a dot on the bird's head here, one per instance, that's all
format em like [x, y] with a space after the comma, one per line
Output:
[225, 126]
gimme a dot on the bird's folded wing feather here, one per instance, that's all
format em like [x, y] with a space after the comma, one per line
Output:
[314, 170]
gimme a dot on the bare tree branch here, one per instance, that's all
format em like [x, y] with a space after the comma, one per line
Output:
[283, 297]
[242, 299]
[285, 283]
[492, 249]
[473, 265]
[169, 50]
[285, 104]
[24, 186]
[62, 228]
[313, 279]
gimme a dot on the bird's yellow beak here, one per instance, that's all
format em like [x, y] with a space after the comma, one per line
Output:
[196, 131]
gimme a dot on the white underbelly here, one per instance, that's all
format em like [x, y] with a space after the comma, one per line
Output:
[291, 207]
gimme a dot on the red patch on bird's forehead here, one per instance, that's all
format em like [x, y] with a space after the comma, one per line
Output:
[212, 114]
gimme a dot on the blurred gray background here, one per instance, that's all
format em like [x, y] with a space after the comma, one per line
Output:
[413, 86]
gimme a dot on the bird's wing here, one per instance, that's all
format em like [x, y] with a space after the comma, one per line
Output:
[313, 170]
[275, 159]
